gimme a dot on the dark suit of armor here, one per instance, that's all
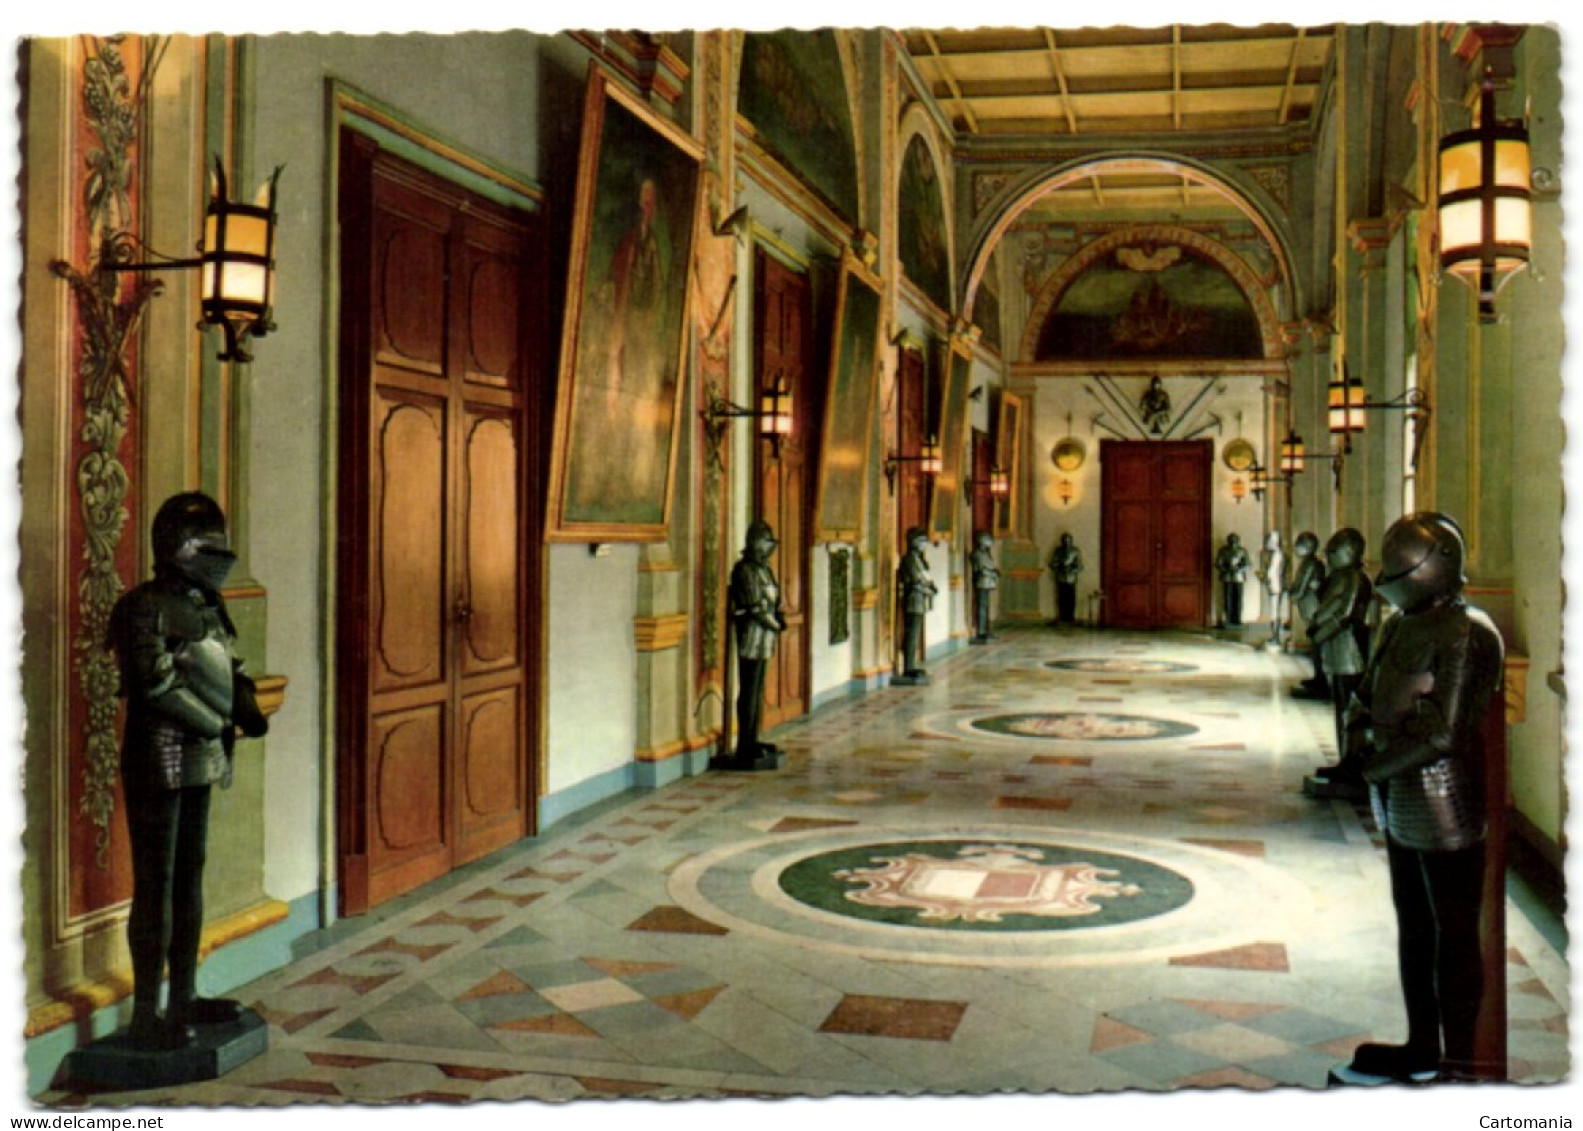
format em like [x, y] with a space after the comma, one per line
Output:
[1066, 563]
[758, 620]
[1232, 564]
[1340, 627]
[917, 591]
[186, 694]
[1308, 584]
[986, 578]
[1416, 720]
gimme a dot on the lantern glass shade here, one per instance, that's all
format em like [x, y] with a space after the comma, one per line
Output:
[999, 484]
[930, 458]
[1347, 397]
[237, 266]
[775, 412]
[1485, 204]
[1239, 488]
[1066, 491]
[1292, 454]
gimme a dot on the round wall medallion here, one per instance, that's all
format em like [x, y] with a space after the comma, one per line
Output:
[1111, 666]
[992, 885]
[1239, 455]
[1083, 726]
[1068, 453]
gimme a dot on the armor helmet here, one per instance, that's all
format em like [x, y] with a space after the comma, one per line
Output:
[1421, 561]
[1345, 549]
[984, 540]
[760, 541]
[189, 537]
[917, 538]
[1307, 542]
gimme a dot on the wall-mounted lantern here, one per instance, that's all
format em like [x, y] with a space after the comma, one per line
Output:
[236, 259]
[1485, 202]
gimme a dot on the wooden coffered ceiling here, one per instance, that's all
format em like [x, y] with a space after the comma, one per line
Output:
[1182, 79]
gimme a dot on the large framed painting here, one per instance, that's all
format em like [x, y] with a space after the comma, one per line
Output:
[1008, 455]
[625, 332]
[849, 405]
[947, 496]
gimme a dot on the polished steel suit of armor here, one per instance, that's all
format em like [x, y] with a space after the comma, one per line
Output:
[917, 591]
[1272, 571]
[758, 621]
[1066, 563]
[986, 578]
[186, 696]
[1417, 720]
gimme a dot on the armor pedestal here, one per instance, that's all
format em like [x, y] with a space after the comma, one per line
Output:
[114, 1064]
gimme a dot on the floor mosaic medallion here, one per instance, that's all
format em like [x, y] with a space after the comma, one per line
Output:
[1083, 726]
[993, 895]
[1107, 665]
[985, 886]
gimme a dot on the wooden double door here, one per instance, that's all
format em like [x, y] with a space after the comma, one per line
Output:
[439, 580]
[1155, 532]
[784, 325]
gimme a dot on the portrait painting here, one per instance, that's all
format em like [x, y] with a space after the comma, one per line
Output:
[849, 405]
[953, 436]
[793, 93]
[622, 347]
[921, 228]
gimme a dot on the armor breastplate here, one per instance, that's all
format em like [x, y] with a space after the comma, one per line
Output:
[206, 663]
[177, 673]
[1430, 681]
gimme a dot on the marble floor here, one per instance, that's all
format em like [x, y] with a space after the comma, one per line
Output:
[1076, 862]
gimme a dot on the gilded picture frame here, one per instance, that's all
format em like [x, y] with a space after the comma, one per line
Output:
[847, 440]
[622, 371]
[946, 497]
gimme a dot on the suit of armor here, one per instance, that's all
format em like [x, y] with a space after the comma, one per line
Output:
[986, 578]
[1308, 583]
[186, 695]
[1066, 563]
[917, 591]
[1272, 571]
[1416, 720]
[758, 620]
[1341, 630]
[1232, 564]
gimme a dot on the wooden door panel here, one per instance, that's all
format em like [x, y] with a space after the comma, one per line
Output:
[491, 772]
[409, 290]
[409, 782]
[491, 550]
[1181, 540]
[1132, 540]
[408, 586]
[491, 301]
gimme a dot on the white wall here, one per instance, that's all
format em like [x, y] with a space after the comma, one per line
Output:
[591, 666]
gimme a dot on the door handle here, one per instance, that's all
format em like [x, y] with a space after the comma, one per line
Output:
[463, 612]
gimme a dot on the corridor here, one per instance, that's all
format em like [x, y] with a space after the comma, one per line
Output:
[1077, 862]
